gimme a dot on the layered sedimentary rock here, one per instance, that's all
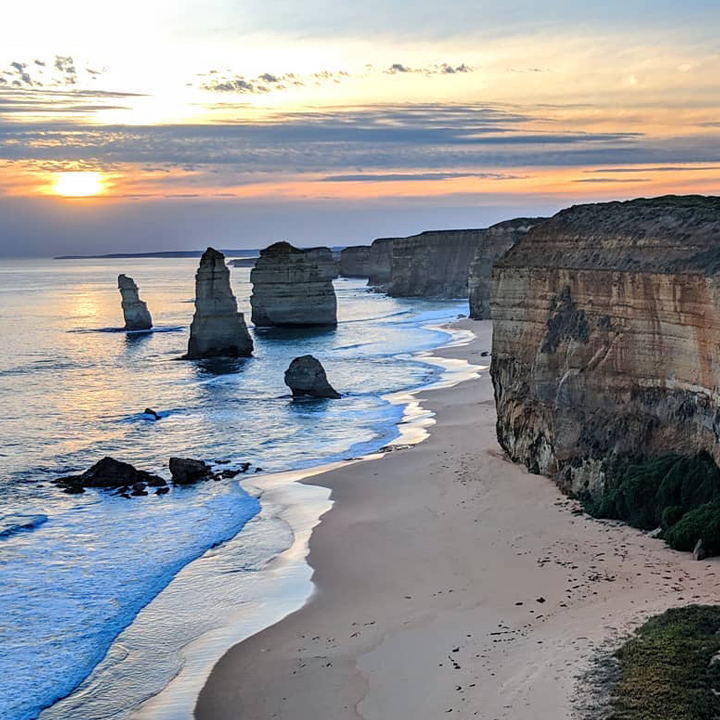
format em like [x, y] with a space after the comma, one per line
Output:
[306, 377]
[495, 243]
[433, 264]
[218, 329]
[135, 311]
[607, 338]
[380, 262]
[292, 288]
[354, 261]
[325, 259]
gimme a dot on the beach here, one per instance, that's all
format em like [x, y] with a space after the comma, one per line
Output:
[450, 582]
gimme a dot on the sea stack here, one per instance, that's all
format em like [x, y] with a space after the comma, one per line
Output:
[496, 241]
[218, 329]
[433, 264]
[292, 288]
[354, 261]
[137, 316]
[607, 338]
[380, 262]
[306, 377]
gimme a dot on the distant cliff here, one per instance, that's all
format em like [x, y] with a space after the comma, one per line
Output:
[607, 338]
[433, 264]
[495, 243]
[380, 262]
[354, 261]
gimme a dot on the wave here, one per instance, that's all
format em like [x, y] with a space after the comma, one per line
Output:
[11, 525]
[151, 331]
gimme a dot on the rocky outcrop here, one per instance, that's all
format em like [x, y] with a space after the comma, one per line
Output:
[380, 262]
[186, 471]
[109, 474]
[306, 377]
[433, 264]
[607, 338]
[495, 243]
[218, 329]
[354, 261]
[325, 259]
[292, 288]
[137, 316]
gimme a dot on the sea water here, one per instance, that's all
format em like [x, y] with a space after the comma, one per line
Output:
[100, 594]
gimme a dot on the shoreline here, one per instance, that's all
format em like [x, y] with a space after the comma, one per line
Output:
[448, 580]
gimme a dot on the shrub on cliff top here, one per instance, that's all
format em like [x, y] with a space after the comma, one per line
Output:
[668, 670]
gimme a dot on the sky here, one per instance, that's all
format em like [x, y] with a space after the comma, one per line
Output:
[158, 125]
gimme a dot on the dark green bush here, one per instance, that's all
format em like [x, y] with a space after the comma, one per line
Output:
[700, 524]
[667, 670]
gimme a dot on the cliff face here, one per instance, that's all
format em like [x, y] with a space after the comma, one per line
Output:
[380, 262]
[495, 243]
[135, 311]
[354, 261]
[325, 260]
[607, 338]
[433, 264]
[217, 329]
[293, 287]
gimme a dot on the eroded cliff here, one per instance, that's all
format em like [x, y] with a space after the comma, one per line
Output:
[496, 241]
[433, 264]
[380, 262]
[607, 338]
[354, 261]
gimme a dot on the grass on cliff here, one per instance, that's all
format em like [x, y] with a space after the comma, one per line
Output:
[669, 670]
[679, 494]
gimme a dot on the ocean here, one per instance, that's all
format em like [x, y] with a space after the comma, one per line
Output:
[116, 608]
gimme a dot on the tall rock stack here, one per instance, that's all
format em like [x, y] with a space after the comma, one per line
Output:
[607, 338]
[218, 329]
[495, 243]
[380, 262]
[135, 311]
[354, 261]
[433, 264]
[325, 260]
[291, 289]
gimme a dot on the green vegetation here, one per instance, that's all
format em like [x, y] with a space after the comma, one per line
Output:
[681, 495]
[668, 669]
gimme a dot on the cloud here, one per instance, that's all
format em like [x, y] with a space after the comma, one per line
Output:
[410, 177]
[428, 70]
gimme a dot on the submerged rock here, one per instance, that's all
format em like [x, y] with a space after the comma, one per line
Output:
[306, 377]
[218, 329]
[154, 415]
[186, 471]
[293, 287]
[606, 338]
[135, 311]
[496, 241]
[109, 473]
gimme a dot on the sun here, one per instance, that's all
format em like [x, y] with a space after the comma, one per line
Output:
[78, 184]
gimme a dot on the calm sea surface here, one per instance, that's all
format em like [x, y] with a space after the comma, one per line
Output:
[75, 571]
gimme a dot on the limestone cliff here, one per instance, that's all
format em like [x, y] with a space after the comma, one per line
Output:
[433, 264]
[324, 258]
[218, 329]
[354, 261]
[135, 311]
[607, 338]
[292, 287]
[380, 262]
[495, 243]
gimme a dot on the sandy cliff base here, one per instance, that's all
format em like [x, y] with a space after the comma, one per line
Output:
[451, 583]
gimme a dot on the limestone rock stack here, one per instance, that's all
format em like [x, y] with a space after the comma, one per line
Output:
[137, 316]
[380, 262]
[218, 329]
[324, 258]
[495, 243]
[292, 288]
[607, 338]
[306, 377]
[433, 264]
[354, 261]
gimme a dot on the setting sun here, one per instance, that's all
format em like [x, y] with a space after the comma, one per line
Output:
[78, 184]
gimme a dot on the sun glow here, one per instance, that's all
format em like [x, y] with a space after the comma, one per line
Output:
[78, 184]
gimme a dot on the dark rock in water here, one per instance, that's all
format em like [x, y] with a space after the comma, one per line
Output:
[218, 329]
[257, 470]
[186, 471]
[72, 489]
[306, 377]
[151, 413]
[237, 471]
[162, 491]
[108, 473]
[139, 489]
[135, 312]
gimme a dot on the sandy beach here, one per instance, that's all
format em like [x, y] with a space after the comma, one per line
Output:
[450, 582]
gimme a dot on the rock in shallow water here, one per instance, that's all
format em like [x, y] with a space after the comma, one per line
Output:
[306, 377]
[135, 311]
[186, 471]
[218, 329]
[109, 473]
